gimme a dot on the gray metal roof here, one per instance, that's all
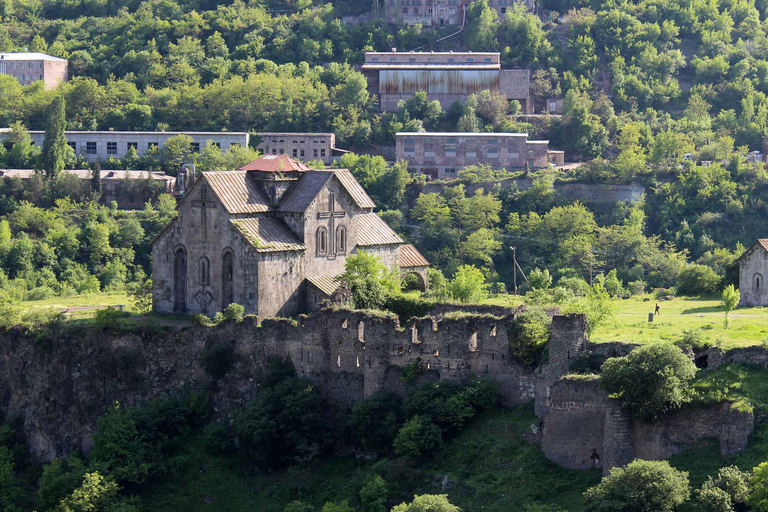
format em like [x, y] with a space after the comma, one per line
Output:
[236, 192]
[305, 191]
[379, 66]
[267, 234]
[372, 230]
[359, 195]
[411, 257]
[326, 284]
[28, 56]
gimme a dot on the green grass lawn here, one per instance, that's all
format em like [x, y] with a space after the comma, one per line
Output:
[749, 326]
[74, 302]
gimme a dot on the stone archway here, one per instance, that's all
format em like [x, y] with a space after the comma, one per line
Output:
[180, 280]
[227, 279]
[413, 280]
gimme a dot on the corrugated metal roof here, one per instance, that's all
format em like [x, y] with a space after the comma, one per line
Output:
[372, 230]
[763, 243]
[28, 56]
[411, 257]
[305, 191]
[353, 187]
[326, 284]
[236, 192]
[267, 234]
[274, 163]
[431, 66]
[437, 80]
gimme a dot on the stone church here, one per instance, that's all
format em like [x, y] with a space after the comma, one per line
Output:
[753, 266]
[271, 236]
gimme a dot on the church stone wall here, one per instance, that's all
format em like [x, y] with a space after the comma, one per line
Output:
[198, 241]
[281, 283]
[753, 268]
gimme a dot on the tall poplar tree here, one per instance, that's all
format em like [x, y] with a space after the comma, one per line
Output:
[96, 180]
[55, 143]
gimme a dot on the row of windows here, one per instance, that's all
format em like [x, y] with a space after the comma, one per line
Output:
[451, 152]
[299, 153]
[24, 65]
[275, 141]
[322, 240]
[91, 148]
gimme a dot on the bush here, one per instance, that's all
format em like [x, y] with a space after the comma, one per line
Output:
[406, 307]
[428, 503]
[108, 319]
[375, 420]
[117, 447]
[576, 285]
[636, 287]
[712, 499]
[59, 479]
[728, 490]
[450, 405]
[697, 280]
[373, 495]
[217, 358]
[693, 339]
[281, 420]
[40, 293]
[650, 380]
[234, 313]
[528, 334]
[640, 486]
[418, 436]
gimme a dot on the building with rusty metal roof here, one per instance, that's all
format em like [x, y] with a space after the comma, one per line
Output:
[445, 76]
[271, 236]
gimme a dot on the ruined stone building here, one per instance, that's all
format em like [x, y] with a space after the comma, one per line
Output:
[445, 76]
[271, 236]
[442, 155]
[30, 67]
[753, 267]
[304, 146]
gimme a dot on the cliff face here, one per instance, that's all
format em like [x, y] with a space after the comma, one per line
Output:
[60, 387]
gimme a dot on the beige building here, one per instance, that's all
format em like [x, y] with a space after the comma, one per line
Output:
[103, 144]
[445, 76]
[32, 67]
[442, 155]
[271, 236]
[753, 267]
[303, 146]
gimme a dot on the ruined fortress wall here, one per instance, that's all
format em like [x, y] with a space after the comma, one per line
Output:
[60, 388]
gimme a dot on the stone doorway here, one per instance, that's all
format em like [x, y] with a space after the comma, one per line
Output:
[227, 280]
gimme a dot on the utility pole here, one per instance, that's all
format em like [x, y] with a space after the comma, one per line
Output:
[514, 267]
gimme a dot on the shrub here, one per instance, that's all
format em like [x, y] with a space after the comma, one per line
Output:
[730, 488]
[697, 280]
[40, 293]
[576, 285]
[428, 503]
[418, 436]
[640, 486]
[337, 507]
[142, 296]
[468, 285]
[299, 506]
[540, 279]
[373, 495]
[693, 339]
[59, 479]
[108, 319]
[636, 287]
[201, 320]
[528, 334]
[712, 499]
[280, 420]
[650, 380]
[758, 496]
[613, 285]
[450, 405]
[375, 420]
[117, 447]
[406, 307]
[234, 313]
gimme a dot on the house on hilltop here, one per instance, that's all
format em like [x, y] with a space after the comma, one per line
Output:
[753, 266]
[271, 236]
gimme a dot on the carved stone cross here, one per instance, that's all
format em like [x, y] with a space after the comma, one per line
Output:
[331, 214]
[204, 205]
[204, 299]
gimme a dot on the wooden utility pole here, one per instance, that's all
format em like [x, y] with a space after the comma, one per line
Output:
[514, 268]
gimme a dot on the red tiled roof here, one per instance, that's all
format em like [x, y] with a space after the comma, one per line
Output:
[274, 163]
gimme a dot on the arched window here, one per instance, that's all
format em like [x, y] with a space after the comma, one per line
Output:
[205, 270]
[757, 282]
[341, 240]
[322, 241]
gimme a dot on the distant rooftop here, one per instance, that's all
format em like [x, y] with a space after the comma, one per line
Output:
[275, 163]
[28, 56]
[463, 54]
[107, 132]
[459, 134]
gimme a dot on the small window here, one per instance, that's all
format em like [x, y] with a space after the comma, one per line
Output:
[111, 148]
[322, 241]
[205, 270]
[217, 144]
[341, 240]
[195, 146]
[450, 140]
[134, 145]
[409, 150]
[492, 142]
[90, 148]
[151, 145]
[301, 153]
[450, 151]
[73, 145]
[471, 154]
[295, 152]
[314, 152]
[409, 140]
[322, 152]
